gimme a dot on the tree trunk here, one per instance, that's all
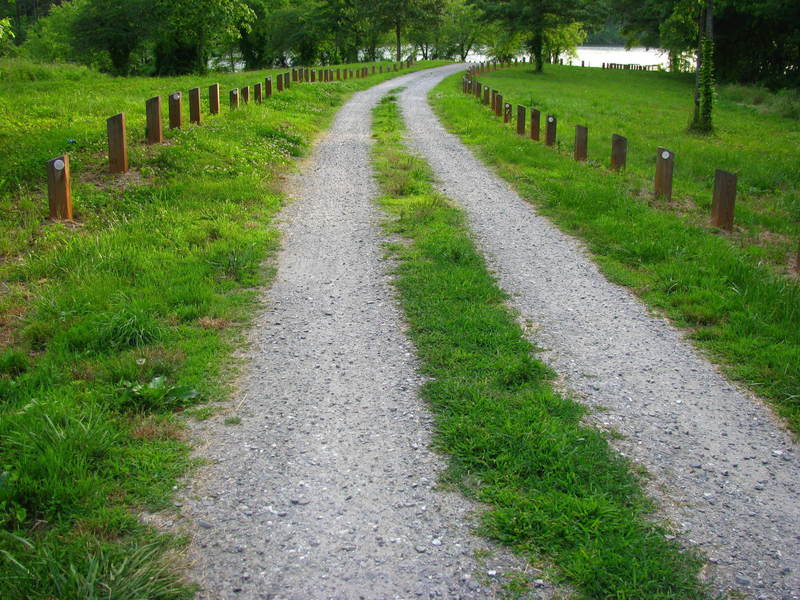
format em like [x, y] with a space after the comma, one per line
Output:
[397, 36]
[537, 45]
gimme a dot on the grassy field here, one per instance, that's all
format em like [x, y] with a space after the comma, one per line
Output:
[734, 293]
[557, 492]
[112, 325]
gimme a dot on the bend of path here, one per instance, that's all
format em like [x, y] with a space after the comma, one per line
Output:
[327, 488]
[720, 466]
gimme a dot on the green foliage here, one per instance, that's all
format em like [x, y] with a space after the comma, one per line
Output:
[555, 489]
[7, 36]
[733, 292]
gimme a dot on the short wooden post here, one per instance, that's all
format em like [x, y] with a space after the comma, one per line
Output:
[246, 94]
[294, 75]
[494, 100]
[313, 75]
[175, 111]
[665, 161]
[194, 106]
[724, 200]
[498, 107]
[286, 84]
[373, 69]
[234, 99]
[258, 93]
[268, 87]
[507, 113]
[155, 130]
[59, 188]
[520, 119]
[619, 152]
[117, 144]
[536, 118]
[338, 74]
[306, 74]
[280, 82]
[213, 99]
[550, 131]
[486, 95]
[581, 143]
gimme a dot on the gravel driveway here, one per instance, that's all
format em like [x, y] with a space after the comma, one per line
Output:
[724, 471]
[327, 488]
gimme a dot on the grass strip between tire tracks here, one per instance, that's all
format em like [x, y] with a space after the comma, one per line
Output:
[111, 326]
[556, 489]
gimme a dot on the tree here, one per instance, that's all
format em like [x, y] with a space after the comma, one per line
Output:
[6, 35]
[535, 17]
[461, 28]
[398, 15]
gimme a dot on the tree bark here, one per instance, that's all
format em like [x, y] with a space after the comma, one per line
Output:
[537, 46]
[399, 49]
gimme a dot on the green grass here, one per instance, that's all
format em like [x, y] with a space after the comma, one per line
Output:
[738, 308]
[111, 326]
[555, 489]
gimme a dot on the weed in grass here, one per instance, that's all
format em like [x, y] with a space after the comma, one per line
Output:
[232, 421]
[554, 487]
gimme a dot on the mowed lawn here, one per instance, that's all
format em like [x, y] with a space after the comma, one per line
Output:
[737, 294]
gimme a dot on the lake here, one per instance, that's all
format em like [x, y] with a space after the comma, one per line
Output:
[595, 56]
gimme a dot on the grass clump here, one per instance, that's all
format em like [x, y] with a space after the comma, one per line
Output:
[728, 294]
[113, 324]
[556, 489]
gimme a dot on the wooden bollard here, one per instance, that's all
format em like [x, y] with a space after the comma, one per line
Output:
[155, 130]
[507, 112]
[722, 206]
[59, 188]
[478, 90]
[520, 119]
[306, 74]
[280, 82]
[536, 118]
[550, 131]
[246, 94]
[498, 107]
[194, 106]
[258, 93]
[213, 99]
[619, 152]
[268, 87]
[117, 144]
[486, 95]
[294, 75]
[338, 74]
[313, 75]
[581, 152]
[665, 162]
[175, 110]
[234, 99]
[494, 100]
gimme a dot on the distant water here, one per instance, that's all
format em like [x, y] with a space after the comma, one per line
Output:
[595, 56]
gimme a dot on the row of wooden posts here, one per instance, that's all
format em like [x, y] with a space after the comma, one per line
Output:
[631, 67]
[724, 182]
[58, 169]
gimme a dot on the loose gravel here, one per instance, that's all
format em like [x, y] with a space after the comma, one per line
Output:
[723, 470]
[327, 488]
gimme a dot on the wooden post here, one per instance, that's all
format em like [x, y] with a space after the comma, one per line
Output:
[234, 99]
[507, 112]
[338, 74]
[724, 200]
[268, 87]
[665, 161]
[258, 93]
[194, 106]
[486, 95]
[59, 189]
[550, 131]
[286, 83]
[535, 124]
[246, 94]
[117, 144]
[313, 75]
[494, 100]
[619, 152]
[498, 107]
[175, 111]
[280, 82]
[581, 143]
[373, 69]
[520, 119]
[155, 130]
[294, 75]
[213, 99]
[306, 74]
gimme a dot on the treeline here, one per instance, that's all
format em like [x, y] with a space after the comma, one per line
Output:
[754, 41]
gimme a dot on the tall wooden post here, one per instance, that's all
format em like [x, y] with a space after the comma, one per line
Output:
[155, 130]
[280, 82]
[286, 83]
[213, 99]
[246, 94]
[175, 110]
[486, 95]
[520, 119]
[338, 74]
[59, 188]
[268, 87]
[313, 75]
[536, 118]
[722, 206]
[258, 93]
[665, 161]
[194, 106]
[581, 143]
[117, 144]
[507, 112]
[234, 99]
[498, 107]
[550, 131]
[619, 152]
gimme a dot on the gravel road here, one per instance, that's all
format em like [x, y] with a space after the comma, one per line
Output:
[724, 471]
[327, 487]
